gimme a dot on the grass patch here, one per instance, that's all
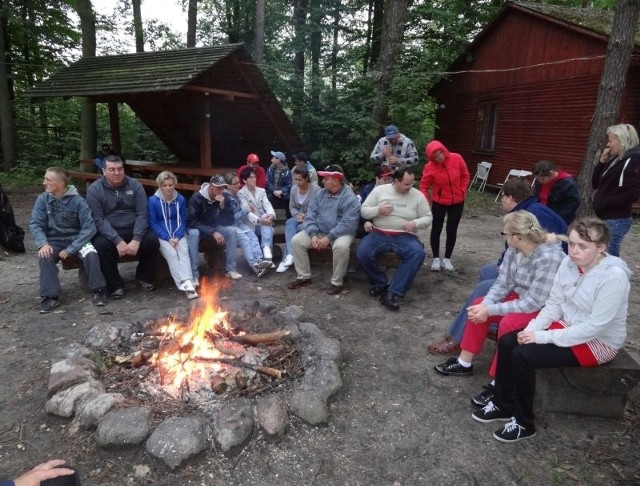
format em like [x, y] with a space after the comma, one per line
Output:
[481, 203]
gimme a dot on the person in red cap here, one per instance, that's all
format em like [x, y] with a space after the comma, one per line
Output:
[253, 161]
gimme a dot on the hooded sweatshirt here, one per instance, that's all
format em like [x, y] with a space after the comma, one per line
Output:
[168, 219]
[617, 185]
[65, 220]
[560, 194]
[206, 215]
[593, 305]
[447, 180]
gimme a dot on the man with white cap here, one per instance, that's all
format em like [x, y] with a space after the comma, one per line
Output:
[394, 149]
[330, 223]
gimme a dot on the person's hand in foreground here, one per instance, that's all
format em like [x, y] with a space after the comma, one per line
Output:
[46, 470]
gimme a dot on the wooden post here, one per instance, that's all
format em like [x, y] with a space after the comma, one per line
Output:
[205, 135]
[114, 125]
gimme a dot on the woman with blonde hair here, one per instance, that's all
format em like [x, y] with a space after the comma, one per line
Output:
[616, 182]
[583, 323]
[167, 212]
[521, 289]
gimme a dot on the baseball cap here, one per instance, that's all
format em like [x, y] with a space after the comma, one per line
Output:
[218, 181]
[333, 170]
[279, 156]
[390, 131]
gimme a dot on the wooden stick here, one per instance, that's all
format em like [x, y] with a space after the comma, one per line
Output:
[272, 372]
[236, 353]
[266, 337]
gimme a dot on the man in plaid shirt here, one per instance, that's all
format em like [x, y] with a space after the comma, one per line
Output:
[394, 150]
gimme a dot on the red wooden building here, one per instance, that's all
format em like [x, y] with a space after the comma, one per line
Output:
[525, 89]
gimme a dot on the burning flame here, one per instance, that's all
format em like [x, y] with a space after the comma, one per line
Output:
[177, 360]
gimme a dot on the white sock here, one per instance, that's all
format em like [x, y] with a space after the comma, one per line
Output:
[464, 363]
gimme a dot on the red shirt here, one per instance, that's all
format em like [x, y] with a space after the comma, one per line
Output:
[261, 175]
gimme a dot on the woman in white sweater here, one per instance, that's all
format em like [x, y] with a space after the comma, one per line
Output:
[261, 214]
[583, 323]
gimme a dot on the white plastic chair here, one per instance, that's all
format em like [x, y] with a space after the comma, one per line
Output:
[512, 173]
[482, 175]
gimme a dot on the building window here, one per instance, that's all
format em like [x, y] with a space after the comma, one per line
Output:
[486, 127]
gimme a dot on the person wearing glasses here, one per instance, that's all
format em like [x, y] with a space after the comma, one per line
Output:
[582, 323]
[119, 207]
[520, 291]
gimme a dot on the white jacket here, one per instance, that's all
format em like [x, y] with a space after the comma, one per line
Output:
[257, 200]
[593, 305]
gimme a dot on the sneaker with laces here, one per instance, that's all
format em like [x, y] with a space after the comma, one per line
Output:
[452, 367]
[436, 265]
[448, 266]
[191, 294]
[262, 263]
[490, 413]
[233, 275]
[48, 304]
[485, 396]
[513, 432]
[146, 286]
[99, 298]
[285, 264]
[260, 271]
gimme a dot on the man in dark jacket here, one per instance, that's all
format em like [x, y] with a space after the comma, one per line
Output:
[556, 189]
[119, 207]
[210, 218]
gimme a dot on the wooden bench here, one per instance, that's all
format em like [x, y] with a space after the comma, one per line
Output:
[601, 391]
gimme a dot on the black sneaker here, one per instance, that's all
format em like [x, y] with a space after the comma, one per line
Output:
[452, 367]
[99, 298]
[490, 413]
[146, 286]
[485, 396]
[513, 432]
[117, 294]
[48, 304]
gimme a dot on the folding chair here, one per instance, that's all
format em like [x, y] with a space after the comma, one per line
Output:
[482, 175]
[512, 173]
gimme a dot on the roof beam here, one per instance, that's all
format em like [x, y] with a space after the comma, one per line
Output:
[224, 92]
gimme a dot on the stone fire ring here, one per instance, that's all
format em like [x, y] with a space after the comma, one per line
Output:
[74, 390]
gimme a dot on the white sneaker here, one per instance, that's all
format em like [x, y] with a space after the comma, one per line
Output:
[436, 265]
[263, 264]
[448, 266]
[187, 286]
[233, 275]
[285, 264]
[266, 251]
[191, 295]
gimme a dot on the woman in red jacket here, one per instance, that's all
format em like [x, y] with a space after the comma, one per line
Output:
[444, 183]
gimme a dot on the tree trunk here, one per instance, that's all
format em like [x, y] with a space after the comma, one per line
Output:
[335, 47]
[316, 13]
[612, 83]
[374, 34]
[394, 16]
[192, 23]
[7, 123]
[88, 115]
[259, 26]
[137, 26]
[300, 20]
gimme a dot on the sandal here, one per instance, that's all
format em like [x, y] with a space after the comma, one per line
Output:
[446, 346]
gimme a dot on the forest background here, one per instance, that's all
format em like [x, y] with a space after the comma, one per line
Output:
[341, 69]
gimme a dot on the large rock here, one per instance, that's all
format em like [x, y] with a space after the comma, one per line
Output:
[69, 372]
[66, 402]
[177, 439]
[96, 408]
[233, 426]
[271, 413]
[127, 426]
[108, 335]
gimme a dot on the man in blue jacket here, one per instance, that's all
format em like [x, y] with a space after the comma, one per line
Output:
[62, 227]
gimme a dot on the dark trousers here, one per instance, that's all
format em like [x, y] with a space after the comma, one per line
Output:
[49, 281]
[279, 203]
[147, 255]
[453, 214]
[516, 374]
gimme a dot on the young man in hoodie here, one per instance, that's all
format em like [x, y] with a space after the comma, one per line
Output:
[210, 217]
[556, 189]
[62, 227]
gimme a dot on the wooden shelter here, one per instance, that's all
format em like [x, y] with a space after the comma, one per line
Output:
[525, 89]
[210, 106]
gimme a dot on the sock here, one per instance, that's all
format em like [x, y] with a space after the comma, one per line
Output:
[464, 363]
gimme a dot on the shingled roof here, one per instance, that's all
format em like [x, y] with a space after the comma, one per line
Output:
[172, 92]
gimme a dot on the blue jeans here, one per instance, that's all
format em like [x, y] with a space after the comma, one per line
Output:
[249, 244]
[291, 227]
[488, 275]
[230, 244]
[407, 247]
[618, 228]
[264, 232]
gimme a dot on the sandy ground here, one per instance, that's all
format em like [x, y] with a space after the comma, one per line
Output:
[395, 422]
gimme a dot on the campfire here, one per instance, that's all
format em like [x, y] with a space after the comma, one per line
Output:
[208, 355]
